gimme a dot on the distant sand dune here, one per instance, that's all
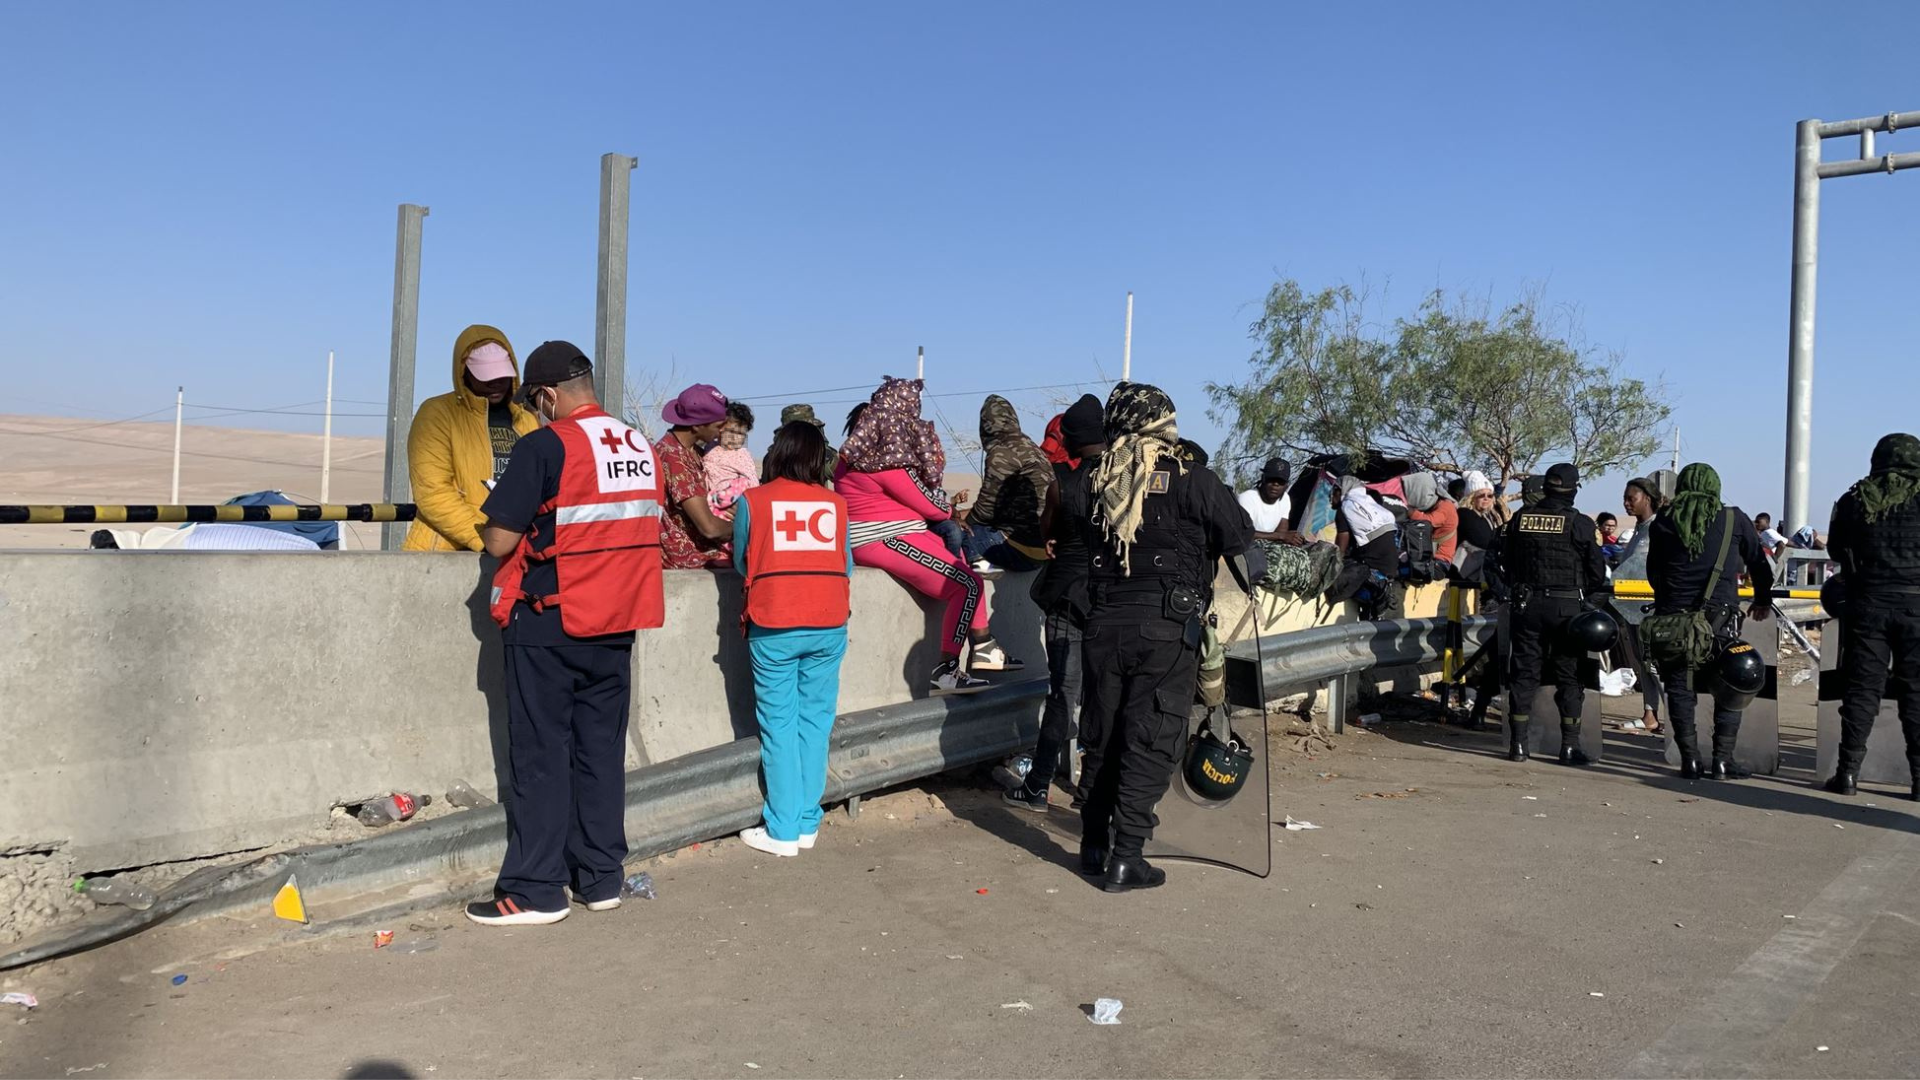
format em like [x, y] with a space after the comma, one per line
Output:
[61, 460]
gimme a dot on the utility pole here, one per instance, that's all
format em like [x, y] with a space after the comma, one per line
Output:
[1808, 171]
[1676, 449]
[179, 403]
[610, 294]
[326, 438]
[1126, 344]
[920, 366]
[406, 338]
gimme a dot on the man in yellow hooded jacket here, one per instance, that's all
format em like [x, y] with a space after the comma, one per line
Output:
[459, 442]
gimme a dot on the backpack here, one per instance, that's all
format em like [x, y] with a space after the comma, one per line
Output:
[1418, 563]
[1299, 572]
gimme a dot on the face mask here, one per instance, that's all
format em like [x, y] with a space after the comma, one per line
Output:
[543, 408]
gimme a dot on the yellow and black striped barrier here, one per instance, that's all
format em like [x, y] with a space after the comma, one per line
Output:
[1643, 590]
[150, 515]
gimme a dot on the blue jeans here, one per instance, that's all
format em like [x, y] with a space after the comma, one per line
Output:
[796, 689]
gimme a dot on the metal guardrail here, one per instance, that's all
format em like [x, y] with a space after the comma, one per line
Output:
[715, 792]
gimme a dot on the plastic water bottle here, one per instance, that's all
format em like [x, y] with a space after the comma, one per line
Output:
[640, 885]
[113, 891]
[398, 806]
[462, 795]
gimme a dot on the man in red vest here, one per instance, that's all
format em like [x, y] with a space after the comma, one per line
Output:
[575, 521]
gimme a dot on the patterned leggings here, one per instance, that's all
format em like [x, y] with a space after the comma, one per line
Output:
[922, 561]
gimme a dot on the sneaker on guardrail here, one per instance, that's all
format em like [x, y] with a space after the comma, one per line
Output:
[988, 655]
[949, 679]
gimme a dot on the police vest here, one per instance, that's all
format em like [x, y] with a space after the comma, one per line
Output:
[1548, 555]
[1170, 548]
[1884, 554]
[796, 556]
[606, 533]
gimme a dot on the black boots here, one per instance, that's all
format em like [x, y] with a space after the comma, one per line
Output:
[1570, 752]
[1725, 734]
[1517, 738]
[1125, 873]
[1845, 781]
[1690, 761]
[1725, 769]
[1093, 860]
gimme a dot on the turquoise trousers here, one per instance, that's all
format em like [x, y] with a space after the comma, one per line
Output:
[796, 687]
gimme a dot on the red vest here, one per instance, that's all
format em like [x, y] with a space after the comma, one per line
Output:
[796, 556]
[606, 539]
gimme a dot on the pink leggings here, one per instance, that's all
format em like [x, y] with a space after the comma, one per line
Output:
[922, 561]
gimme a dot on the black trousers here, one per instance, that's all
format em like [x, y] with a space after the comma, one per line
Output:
[1683, 706]
[567, 738]
[1060, 719]
[1879, 637]
[1541, 653]
[1140, 678]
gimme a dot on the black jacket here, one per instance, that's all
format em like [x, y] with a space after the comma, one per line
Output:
[1879, 556]
[1580, 558]
[1186, 528]
[1679, 578]
[1061, 583]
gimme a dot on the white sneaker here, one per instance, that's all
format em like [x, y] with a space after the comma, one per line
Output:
[757, 839]
[989, 656]
[597, 905]
[806, 840]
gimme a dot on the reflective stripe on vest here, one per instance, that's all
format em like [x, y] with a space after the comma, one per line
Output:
[620, 511]
[796, 556]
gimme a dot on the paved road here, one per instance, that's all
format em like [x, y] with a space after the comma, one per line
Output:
[1465, 929]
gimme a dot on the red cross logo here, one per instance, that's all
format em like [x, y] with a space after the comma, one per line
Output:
[792, 526]
[611, 441]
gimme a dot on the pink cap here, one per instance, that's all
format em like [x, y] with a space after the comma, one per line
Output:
[490, 361]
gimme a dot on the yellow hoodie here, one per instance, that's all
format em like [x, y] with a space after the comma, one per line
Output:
[450, 455]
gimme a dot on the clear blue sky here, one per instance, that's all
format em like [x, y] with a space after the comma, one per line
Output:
[204, 194]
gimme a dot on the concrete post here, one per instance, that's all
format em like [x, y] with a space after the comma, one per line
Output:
[610, 296]
[406, 339]
[1806, 260]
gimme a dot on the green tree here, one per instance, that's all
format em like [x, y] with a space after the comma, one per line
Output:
[1455, 387]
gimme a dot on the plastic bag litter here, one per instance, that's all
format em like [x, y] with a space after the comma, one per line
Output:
[1106, 1011]
[1299, 826]
[28, 1000]
[1618, 683]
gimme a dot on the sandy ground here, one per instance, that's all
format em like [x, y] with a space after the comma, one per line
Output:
[1497, 920]
[64, 461]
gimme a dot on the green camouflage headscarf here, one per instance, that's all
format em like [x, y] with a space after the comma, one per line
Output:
[1696, 503]
[1895, 479]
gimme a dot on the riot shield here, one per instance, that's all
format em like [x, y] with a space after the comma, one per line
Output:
[1236, 833]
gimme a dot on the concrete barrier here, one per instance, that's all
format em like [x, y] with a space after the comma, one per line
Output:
[176, 705]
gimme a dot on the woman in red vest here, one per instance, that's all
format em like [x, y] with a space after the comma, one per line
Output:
[790, 543]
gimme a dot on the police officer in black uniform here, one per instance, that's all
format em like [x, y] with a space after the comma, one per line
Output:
[1874, 534]
[1159, 524]
[1553, 564]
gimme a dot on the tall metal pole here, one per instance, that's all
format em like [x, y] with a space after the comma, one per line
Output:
[326, 438]
[179, 402]
[1126, 345]
[1806, 262]
[610, 295]
[920, 365]
[406, 339]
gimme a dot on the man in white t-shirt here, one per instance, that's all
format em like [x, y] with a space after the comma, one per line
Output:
[1267, 503]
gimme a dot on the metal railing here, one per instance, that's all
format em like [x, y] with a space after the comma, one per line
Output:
[717, 791]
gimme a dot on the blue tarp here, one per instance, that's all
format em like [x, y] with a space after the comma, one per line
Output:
[324, 533]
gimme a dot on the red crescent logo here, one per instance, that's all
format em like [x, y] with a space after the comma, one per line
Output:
[825, 536]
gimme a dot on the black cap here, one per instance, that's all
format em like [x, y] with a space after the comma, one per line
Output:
[553, 363]
[1084, 423]
[1563, 479]
[1276, 469]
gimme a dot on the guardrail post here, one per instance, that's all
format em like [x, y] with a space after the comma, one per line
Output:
[1337, 694]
